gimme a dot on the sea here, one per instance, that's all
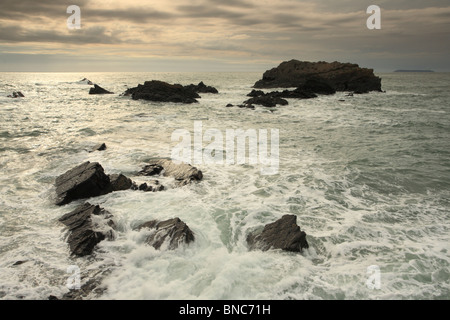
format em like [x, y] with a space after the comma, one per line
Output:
[367, 176]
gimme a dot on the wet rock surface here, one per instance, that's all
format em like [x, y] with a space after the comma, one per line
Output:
[174, 231]
[183, 173]
[87, 225]
[84, 181]
[282, 234]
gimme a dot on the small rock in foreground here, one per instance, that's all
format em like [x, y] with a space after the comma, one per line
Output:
[87, 225]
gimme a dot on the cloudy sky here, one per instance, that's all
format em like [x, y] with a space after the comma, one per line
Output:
[221, 35]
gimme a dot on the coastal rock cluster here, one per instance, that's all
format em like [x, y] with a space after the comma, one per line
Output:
[310, 80]
[159, 91]
[87, 225]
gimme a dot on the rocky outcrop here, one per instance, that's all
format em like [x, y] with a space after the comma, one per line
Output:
[340, 76]
[202, 88]
[282, 234]
[84, 181]
[160, 91]
[173, 231]
[183, 173]
[99, 90]
[87, 226]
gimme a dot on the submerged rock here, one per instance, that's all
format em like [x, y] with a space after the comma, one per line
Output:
[160, 91]
[99, 147]
[84, 181]
[86, 81]
[282, 234]
[87, 225]
[154, 186]
[16, 94]
[99, 90]
[174, 231]
[182, 172]
[340, 76]
[267, 100]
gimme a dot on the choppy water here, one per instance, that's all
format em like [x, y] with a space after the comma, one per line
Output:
[368, 179]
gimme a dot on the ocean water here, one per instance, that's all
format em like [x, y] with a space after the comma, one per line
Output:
[368, 179]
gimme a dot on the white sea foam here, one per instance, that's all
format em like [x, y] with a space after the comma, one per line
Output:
[340, 174]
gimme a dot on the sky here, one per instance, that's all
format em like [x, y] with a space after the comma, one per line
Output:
[221, 35]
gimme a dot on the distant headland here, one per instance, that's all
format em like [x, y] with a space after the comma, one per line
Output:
[413, 71]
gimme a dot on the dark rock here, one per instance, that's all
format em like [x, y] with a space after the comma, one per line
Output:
[182, 172]
[340, 76]
[174, 231]
[317, 85]
[51, 297]
[151, 170]
[99, 90]
[154, 187]
[298, 93]
[159, 91]
[84, 181]
[87, 225]
[267, 100]
[202, 88]
[119, 182]
[229, 105]
[256, 93]
[18, 263]
[282, 234]
[99, 147]
[16, 94]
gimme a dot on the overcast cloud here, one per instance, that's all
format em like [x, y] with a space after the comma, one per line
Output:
[214, 35]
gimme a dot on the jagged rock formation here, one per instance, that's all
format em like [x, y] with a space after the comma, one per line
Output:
[87, 226]
[84, 181]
